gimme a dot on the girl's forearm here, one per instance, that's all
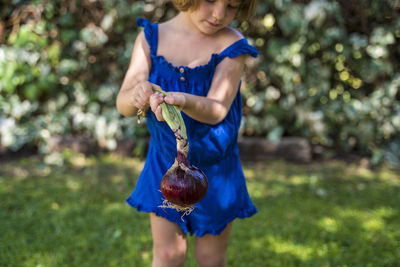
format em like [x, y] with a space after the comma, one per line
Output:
[204, 109]
[124, 105]
[124, 98]
[124, 102]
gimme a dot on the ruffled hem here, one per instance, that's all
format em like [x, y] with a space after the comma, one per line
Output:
[216, 230]
[240, 47]
[158, 212]
[209, 230]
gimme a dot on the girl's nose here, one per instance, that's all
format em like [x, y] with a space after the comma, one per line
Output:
[219, 12]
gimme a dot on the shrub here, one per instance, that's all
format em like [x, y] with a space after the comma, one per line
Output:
[327, 71]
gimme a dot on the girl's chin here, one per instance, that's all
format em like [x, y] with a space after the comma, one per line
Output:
[207, 29]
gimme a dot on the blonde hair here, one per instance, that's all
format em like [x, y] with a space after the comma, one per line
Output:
[245, 11]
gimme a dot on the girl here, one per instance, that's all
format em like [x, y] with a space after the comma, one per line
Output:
[199, 60]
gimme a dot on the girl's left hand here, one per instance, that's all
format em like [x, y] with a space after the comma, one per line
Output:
[177, 99]
[173, 98]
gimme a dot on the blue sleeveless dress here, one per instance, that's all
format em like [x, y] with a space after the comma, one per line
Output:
[212, 148]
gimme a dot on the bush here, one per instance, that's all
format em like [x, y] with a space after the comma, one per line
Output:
[327, 71]
[61, 66]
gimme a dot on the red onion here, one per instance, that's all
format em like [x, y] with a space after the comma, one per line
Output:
[182, 185]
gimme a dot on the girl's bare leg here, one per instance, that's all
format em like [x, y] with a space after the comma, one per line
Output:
[169, 242]
[211, 250]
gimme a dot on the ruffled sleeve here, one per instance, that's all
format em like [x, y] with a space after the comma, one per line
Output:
[150, 32]
[238, 48]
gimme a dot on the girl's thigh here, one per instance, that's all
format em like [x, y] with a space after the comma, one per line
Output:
[211, 250]
[167, 235]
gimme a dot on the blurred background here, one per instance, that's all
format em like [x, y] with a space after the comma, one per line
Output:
[328, 73]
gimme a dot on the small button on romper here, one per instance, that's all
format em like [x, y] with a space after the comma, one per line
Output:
[212, 148]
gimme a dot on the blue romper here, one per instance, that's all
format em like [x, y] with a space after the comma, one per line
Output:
[212, 148]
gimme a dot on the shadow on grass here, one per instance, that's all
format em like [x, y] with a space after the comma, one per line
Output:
[309, 215]
[326, 215]
[72, 216]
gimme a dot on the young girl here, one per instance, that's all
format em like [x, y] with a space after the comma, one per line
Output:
[198, 60]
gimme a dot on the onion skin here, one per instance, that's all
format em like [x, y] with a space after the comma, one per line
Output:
[183, 185]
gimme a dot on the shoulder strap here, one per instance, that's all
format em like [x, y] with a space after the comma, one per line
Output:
[238, 48]
[150, 32]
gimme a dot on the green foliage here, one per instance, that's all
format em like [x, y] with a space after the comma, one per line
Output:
[327, 71]
[328, 214]
[61, 66]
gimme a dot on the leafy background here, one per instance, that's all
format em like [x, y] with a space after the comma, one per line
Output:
[327, 71]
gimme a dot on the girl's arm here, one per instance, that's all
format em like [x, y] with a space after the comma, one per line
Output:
[135, 89]
[213, 108]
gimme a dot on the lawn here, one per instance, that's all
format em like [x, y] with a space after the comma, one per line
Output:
[320, 214]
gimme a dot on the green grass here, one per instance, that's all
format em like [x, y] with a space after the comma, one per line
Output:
[325, 214]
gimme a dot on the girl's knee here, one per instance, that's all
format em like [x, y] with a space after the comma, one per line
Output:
[169, 256]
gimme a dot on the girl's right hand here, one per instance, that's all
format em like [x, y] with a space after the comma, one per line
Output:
[140, 97]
